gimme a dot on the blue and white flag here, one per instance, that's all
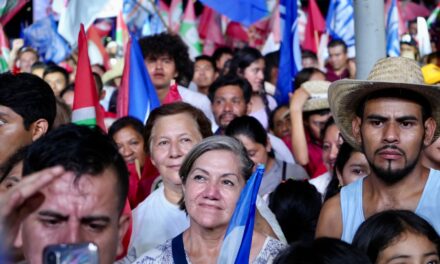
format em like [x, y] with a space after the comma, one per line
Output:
[290, 52]
[43, 36]
[340, 21]
[393, 43]
[237, 244]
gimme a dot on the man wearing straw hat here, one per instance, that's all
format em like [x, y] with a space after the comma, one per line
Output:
[391, 117]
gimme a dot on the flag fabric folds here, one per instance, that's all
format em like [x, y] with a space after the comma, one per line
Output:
[392, 29]
[314, 28]
[9, 8]
[77, 12]
[189, 33]
[237, 243]
[210, 30]
[86, 108]
[245, 12]
[290, 60]
[175, 15]
[340, 21]
[137, 97]
[43, 36]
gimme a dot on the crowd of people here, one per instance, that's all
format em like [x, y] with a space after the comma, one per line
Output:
[350, 165]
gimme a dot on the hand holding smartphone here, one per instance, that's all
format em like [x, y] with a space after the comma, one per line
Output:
[84, 253]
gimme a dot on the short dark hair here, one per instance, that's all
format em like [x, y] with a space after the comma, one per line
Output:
[309, 54]
[381, 230]
[38, 65]
[173, 46]
[322, 250]
[204, 125]
[271, 60]
[220, 51]
[52, 68]
[231, 79]
[304, 75]
[208, 59]
[80, 149]
[272, 115]
[296, 202]
[397, 93]
[12, 161]
[337, 42]
[126, 121]
[28, 96]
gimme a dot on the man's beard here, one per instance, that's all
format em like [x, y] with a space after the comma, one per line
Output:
[388, 175]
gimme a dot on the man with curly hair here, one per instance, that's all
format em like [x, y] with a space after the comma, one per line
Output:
[166, 58]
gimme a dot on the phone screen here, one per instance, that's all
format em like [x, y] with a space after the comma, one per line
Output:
[71, 253]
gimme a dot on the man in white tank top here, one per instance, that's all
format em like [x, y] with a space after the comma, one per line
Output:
[391, 117]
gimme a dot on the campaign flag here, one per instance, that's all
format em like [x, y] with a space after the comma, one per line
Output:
[290, 53]
[189, 33]
[392, 28]
[86, 108]
[121, 31]
[237, 243]
[9, 8]
[78, 12]
[43, 36]
[173, 95]
[176, 11]
[4, 51]
[245, 12]
[95, 43]
[314, 28]
[137, 97]
[340, 21]
[433, 17]
[210, 30]
[423, 37]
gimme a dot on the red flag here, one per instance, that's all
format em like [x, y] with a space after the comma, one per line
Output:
[93, 35]
[210, 30]
[314, 28]
[172, 96]
[123, 95]
[86, 107]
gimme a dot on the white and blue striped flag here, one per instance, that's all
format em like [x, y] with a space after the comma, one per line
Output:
[393, 43]
[236, 246]
[340, 21]
[290, 52]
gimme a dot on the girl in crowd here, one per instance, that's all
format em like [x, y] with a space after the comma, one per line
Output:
[350, 165]
[398, 236]
[254, 137]
[249, 64]
[213, 175]
[331, 143]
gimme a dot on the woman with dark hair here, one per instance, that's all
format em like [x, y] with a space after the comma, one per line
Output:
[213, 175]
[398, 236]
[322, 251]
[296, 205]
[254, 137]
[350, 165]
[249, 64]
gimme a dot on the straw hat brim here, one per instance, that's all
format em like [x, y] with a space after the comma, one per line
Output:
[346, 95]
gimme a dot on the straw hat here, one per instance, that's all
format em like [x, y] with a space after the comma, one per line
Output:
[346, 95]
[318, 95]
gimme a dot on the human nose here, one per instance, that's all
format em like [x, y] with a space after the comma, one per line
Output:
[391, 133]
[175, 150]
[228, 106]
[73, 234]
[260, 75]
[126, 151]
[334, 151]
[212, 191]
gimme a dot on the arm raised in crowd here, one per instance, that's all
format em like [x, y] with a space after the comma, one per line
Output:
[299, 142]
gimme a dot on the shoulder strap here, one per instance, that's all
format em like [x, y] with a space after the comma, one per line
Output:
[178, 250]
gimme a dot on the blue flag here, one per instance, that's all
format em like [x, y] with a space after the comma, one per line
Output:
[43, 36]
[290, 53]
[340, 21]
[142, 94]
[245, 12]
[236, 246]
[393, 44]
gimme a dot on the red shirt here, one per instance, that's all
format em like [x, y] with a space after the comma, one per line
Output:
[316, 166]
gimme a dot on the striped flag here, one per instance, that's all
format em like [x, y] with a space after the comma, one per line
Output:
[176, 11]
[433, 17]
[393, 42]
[9, 8]
[189, 33]
[340, 21]
[237, 243]
[4, 51]
[290, 53]
[86, 109]
[137, 96]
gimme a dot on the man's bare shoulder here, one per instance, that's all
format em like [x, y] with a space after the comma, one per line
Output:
[330, 219]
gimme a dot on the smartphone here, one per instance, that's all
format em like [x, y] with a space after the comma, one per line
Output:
[71, 254]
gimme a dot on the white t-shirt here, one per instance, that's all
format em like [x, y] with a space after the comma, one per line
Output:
[155, 220]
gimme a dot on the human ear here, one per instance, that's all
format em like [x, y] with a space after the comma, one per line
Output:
[356, 129]
[39, 128]
[124, 224]
[430, 126]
